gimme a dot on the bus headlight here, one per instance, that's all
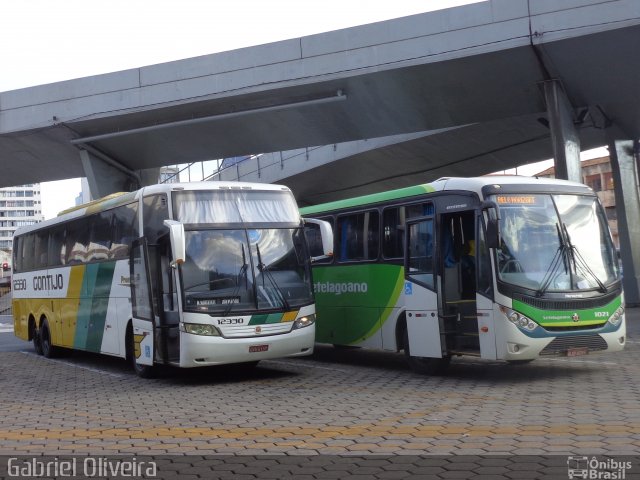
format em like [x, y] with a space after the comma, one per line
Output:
[519, 320]
[200, 329]
[616, 318]
[304, 321]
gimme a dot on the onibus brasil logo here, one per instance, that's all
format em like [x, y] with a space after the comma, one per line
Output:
[597, 469]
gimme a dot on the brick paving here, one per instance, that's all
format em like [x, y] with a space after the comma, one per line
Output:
[337, 404]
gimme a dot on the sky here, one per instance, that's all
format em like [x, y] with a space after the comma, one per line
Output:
[42, 41]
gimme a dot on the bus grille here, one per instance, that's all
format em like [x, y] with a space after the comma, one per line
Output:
[561, 344]
[244, 331]
[573, 328]
[562, 304]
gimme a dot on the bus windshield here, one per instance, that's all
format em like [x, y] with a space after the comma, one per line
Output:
[555, 243]
[235, 206]
[242, 270]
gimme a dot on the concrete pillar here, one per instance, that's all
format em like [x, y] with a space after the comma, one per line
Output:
[564, 135]
[148, 176]
[624, 163]
[107, 176]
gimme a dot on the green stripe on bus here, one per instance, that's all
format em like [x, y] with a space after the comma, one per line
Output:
[368, 199]
[259, 319]
[94, 301]
[274, 318]
[265, 318]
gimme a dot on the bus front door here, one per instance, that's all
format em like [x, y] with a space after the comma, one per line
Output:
[424, 334]
[484, 294]
[143, 320]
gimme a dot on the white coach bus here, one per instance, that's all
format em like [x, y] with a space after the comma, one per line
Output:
[185, 275]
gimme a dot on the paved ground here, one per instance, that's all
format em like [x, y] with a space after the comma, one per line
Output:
[356, 403]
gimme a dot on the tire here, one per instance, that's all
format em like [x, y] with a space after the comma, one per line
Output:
[48, 350]
[244, 367]
[142, 371]
[37, 345]
[520, 362]
[424, 365]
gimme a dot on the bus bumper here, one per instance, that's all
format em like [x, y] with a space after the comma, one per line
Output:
[518, 346]
[201, 350]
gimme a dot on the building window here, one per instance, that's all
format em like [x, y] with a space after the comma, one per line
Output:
[607, 178]
[594, 181]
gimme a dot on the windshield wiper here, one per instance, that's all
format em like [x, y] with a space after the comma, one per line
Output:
[578, 260]
[243, 271]
[559, 257]
[264, 269]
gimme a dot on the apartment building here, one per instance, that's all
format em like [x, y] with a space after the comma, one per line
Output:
[19, 206]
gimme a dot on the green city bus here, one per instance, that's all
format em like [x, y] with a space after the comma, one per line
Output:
[503, 268]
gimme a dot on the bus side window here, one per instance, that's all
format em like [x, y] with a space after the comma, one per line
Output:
[155, 212]
[393, 220]
[124, 230]
[358, 236]
[56, 246]
[392, 223]
[77, 241]
[99, 237]
[372, 226]
[41, 249]
[27, 252]
[17, 257]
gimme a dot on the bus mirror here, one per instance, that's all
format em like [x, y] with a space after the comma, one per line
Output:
[176, 235]
[315, 228]
[493, 234]
[493, 224]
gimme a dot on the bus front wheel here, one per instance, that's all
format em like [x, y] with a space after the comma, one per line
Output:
[520, 362]
[424, 365]
[143, 371]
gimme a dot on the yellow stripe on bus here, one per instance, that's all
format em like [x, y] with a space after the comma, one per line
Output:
[289, 316]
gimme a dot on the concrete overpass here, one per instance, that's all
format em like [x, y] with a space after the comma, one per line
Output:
[463, 66]
[475, 88]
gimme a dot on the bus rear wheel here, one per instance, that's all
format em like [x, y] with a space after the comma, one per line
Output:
[48, 350]
[35, 336]
[424, 365]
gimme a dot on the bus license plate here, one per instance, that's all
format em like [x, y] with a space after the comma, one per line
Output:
[576, 352]
[258, 348]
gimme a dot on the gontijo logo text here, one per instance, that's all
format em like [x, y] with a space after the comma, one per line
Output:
[48, 282]
[41, 283]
